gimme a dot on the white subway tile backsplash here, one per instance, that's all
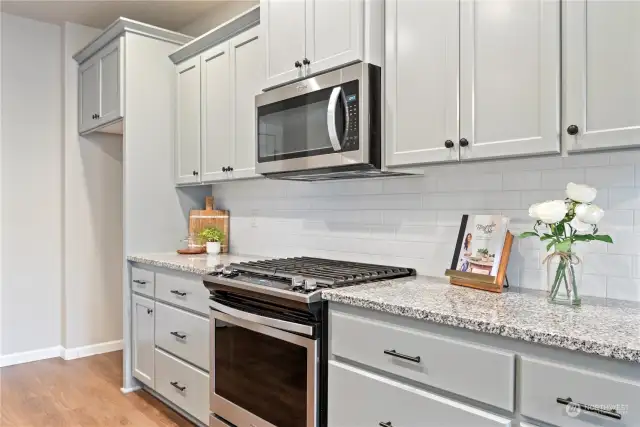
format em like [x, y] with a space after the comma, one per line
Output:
[413, 221]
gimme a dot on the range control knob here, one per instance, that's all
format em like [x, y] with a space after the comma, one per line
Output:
[297, 281]
[219, 268]
[227, 270]
[310, 284]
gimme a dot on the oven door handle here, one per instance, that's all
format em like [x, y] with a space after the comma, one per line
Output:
[336, 93]
[262, 320]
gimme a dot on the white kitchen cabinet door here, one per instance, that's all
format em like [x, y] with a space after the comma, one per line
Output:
[247, 77]
[89, 94]
[334, 33]
[110, 93]
[187, 139]
[601, 67]
[143, 314]
[282, 23]
[422, 81]
[509, 78]
[216, 115]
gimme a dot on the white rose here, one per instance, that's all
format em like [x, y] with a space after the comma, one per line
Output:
[581, 227]
[581, 193]
[549, 212]
[589, 214]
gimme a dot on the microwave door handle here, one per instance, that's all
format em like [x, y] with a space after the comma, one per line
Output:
[331, 117]
[267, 321]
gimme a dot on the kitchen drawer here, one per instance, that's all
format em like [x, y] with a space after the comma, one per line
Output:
[172, 324]
[185, 290]
[172, 375]
[476, 372]
[543, 382]
[361, 399]
[142, 281]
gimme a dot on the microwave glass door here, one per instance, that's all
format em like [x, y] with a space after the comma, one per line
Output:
[265, 375]
[304, 126]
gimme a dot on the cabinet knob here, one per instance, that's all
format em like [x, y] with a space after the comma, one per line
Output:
[448, 143]
[298, 64]
[195, 173]
[229, 168]
[149, 310]
[224, 169]
[306, 61]
[572, 130]
[464, 142]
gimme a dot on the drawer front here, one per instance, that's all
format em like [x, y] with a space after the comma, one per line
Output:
[543, 382]
[380, 400]
[184, 334]
[187, 291]
[475, 372]
[142, 281]
[194, 398]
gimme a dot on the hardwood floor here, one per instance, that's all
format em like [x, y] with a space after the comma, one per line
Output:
[78, 393]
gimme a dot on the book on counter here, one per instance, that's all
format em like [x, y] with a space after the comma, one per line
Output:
[481, 252]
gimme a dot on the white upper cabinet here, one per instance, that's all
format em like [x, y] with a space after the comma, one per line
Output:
[187, 138]
[283, 28]
[247, 78]
[110, 96]
[422, 81]
[216, 115]
[601, 66]
[334, 33]
[307, 37]
[509, 78]
[89, 96]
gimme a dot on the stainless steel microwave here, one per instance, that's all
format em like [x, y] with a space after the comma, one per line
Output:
[323, 127]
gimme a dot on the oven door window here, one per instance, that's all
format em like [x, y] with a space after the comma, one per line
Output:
[264, 375]
[298, 127]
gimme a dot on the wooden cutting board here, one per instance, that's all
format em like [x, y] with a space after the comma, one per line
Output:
[201, 219]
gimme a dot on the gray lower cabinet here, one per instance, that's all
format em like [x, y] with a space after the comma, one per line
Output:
[170, 337]
[358, 398]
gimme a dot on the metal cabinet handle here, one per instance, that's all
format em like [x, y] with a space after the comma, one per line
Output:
[180, 294]
[448, 143]
[611, 413]
[306, 61]
[298, 64]
[224, 169]
[178, 335]
[149, 310]
[572, 130]
[464, 142]
[402, 356]
[140, 282]
[178, 386]
[229, 168]
[387, 424]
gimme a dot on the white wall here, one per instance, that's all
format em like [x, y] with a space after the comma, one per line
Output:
[31, 184]
[219, 14]
[414, 221]
[92, 292]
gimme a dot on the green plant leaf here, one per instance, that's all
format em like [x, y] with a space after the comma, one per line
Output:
[546, 237]
[564, 245]
[603, 238]
[583, 237]
[550, 245]
[527, 234]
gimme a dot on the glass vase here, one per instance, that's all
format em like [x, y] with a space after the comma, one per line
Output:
[564, 276]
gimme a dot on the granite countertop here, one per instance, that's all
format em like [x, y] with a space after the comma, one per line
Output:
[603, 327]
[197, 264]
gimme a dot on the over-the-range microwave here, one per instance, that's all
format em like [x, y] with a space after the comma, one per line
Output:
[324, 127]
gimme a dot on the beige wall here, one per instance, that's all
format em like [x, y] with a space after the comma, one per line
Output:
[221, 12]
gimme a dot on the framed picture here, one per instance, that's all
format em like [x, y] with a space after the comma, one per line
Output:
[481, 252]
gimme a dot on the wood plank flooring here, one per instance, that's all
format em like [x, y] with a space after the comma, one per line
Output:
[77, 393]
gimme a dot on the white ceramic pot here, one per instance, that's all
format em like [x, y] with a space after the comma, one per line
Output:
[213, 248]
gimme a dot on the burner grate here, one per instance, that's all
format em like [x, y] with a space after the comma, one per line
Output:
[326, 272]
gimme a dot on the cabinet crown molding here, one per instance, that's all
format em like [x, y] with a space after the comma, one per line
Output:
[123, 25]
[222, 32]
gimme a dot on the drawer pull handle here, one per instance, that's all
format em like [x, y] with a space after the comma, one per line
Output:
[180, 294]
[611, 414]
[178, 335]
[402, 356]
[178, 386]
[387, 424]
[140, 282]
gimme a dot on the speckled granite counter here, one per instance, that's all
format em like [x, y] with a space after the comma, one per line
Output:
[197, 264]
[603, 327]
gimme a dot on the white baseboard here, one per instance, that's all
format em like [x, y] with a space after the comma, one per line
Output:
[59, 351]
[30, 356]
[91, 350]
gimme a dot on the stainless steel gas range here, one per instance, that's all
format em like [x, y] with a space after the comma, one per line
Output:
[268, 338]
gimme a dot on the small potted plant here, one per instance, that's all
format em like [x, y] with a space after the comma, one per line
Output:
[213, 237]
[483, 253]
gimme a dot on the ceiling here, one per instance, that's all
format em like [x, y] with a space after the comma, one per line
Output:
[169, 14]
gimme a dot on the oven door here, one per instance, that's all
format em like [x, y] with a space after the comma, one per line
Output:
[316, 123]
[264, 371]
